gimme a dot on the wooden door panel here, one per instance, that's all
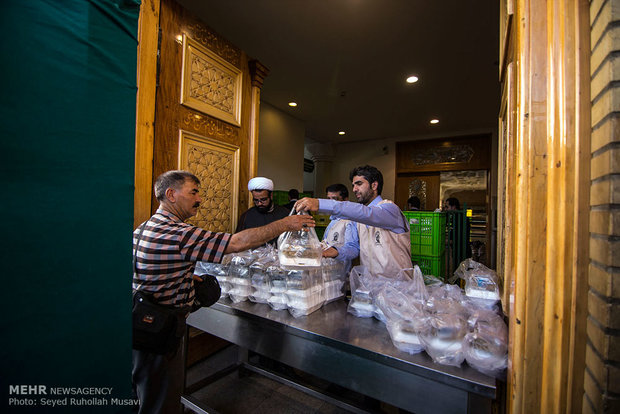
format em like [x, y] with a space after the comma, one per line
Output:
[407, 184]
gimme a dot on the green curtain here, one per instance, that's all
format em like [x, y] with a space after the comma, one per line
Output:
[68, 140]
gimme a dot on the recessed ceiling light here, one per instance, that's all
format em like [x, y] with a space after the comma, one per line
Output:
[292, 104]
[341, 133]
[412, 79]
[434, 121]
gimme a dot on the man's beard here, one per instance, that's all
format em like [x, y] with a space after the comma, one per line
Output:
[364, 198]
[264, 209]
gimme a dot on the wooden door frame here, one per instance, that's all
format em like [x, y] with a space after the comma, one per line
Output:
[546, 241]
[148, 29]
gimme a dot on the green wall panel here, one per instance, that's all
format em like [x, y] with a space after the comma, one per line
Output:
[67, 116]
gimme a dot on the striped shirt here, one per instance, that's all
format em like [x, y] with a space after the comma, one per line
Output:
[167, 255]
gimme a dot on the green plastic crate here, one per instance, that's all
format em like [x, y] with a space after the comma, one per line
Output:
[428, 232]
[431, 265]
[280, 197]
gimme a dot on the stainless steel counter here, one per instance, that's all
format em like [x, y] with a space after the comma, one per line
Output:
[353, 352]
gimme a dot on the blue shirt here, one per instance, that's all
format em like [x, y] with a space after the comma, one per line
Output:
[386, 216]
[351, 247]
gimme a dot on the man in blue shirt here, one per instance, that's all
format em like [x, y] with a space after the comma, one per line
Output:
[341, 235]
[383, 230]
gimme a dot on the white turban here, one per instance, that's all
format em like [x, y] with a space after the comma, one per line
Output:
[260, 183]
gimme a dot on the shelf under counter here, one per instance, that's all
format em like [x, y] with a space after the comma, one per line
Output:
[355, 353]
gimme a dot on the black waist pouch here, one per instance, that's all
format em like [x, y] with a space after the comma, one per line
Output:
[156, 328]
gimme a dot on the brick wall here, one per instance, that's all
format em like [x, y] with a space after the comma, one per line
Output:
[602, 376]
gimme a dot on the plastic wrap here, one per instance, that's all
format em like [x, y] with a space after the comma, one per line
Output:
[443, 339]
[300, 248]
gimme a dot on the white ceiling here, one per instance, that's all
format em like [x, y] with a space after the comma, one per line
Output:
[345, 62]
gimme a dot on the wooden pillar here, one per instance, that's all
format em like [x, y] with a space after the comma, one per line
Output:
[148, 29]
[547, 241]
[258, 72]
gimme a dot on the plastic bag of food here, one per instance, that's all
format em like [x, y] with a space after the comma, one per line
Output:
[405, 318]
[332, 269]
[481, 283]
[259, 278]
[300, 248]
[219, 271]
[486, 346]
[303, 302]
[303, 277]
[443, 340]
[277, 278]
[239, 275]
[333, 290]
[360, 304]
[277, 301]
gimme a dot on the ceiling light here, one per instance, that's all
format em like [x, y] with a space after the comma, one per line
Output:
[434, 121]
[341, 133]
[292, 104]
[412, 79]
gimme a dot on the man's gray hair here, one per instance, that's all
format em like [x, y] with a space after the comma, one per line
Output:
[172, 179]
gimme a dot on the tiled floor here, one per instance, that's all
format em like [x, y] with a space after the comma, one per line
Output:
[250, 392]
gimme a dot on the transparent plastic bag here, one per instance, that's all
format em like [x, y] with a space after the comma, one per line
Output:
[443, 339]
[239, 276]
[300, 248]
[304, 302]
[259, 277]
[278, 301]
[277, 279]
[481, 283]
[303, 278]
[405, 318]
[486, 346]
[360, 304]
[332, 269]
[333, 290]
[219, 270]
[364, 286]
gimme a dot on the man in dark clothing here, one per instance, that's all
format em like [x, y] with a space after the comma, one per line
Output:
[293, 196]
[264, 210]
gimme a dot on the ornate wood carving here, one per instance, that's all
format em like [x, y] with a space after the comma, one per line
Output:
[216, 164]
[209, 126]
[213, 42]
[209, 83]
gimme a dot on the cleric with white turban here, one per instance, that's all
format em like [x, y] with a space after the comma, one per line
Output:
[260, 183]
[264, 210]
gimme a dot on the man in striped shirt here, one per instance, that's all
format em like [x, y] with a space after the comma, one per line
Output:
[167, 252]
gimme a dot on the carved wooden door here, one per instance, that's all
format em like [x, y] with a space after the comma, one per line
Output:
[204, 115]
[424, 186]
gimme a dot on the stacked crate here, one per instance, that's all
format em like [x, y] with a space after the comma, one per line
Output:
[428, 241]
[280, 197]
